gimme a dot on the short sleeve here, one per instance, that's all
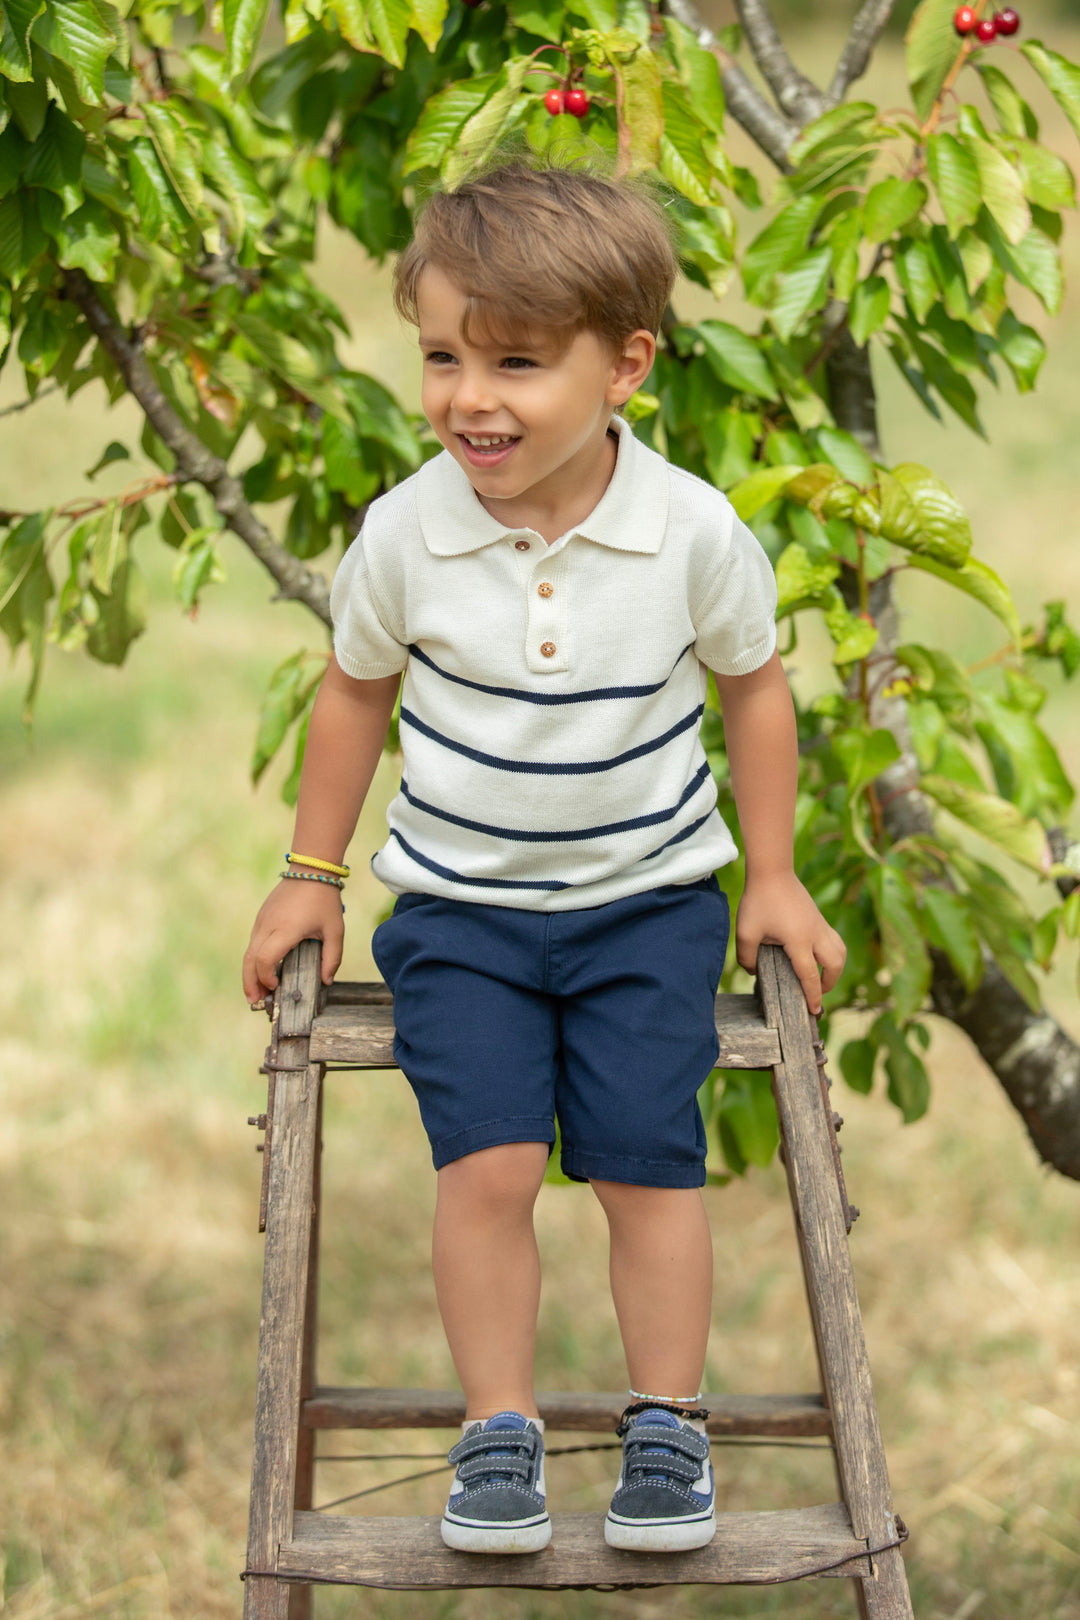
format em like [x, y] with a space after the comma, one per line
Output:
[364, 644]
[736, 623]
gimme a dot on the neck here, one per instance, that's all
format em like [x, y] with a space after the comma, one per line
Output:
[551, 514]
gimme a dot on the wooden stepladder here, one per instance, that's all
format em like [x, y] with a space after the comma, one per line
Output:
[291, 1549]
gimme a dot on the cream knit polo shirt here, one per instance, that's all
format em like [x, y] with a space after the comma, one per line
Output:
[553, 694]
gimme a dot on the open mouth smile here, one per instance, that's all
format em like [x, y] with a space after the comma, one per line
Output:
[486, 449]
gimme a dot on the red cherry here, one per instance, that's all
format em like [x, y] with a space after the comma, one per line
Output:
[986, 30]
[1007, 21]
[577, 102]
[553, 101]
[964, 19]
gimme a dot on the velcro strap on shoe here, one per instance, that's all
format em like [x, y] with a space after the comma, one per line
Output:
[688, 1441]
[653, 1462]
[487, 1467]
[518, 1441]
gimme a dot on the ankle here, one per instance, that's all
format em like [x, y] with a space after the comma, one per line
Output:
[480, 1411]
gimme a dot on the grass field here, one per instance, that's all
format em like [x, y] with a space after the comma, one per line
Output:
[135, 855]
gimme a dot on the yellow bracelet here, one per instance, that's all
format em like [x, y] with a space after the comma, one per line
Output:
[320, 866]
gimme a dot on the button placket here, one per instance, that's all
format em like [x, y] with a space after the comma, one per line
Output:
[546, 637]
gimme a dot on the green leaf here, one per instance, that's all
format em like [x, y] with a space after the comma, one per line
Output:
[88, 240]
[931, 46]
[844, 240]
[824, 130]
[292, 361]
[428, 17]
[737, 359]
[802, 290]
[949, 927]
[442, 119]
[244, 21]
[1047, 178]
[1026, 765]
[699, 71]
[21, 235]
[857, 1060]
[847, 454]
[481, 133]
[56, 159]
[777, 247]
[1013, 113]
[642, 107]
[197, 565]
[682, 157]
[800, 580]
[746, 1120]
[889, 205]
[179, 155]
[121, 614]
[909, 1083]
[16, 18]
[751, 494]
[855, 637]
[1034, 261]
[1002, 190]
[944, 528]
[1061, 77]
[74, 32]
[978, 580]
[996, 819]
[903, 948]
[1022, 349]
[544, 18]
[863, 756]
[955, 176]
[29, 103]
[291, 685]
[382, 25]
[869, 308]
[915, 270]
[113, 451]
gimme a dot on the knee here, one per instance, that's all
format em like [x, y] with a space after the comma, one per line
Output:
[501, 1181]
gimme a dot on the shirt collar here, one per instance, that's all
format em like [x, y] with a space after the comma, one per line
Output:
[631, 515]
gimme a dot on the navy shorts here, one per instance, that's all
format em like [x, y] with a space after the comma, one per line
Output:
[602, 1018]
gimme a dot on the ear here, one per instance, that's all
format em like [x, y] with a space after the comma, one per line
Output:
[631, 366]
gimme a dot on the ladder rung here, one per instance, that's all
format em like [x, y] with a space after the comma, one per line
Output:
[444, 1409]
[357, 1026]
[408, 1554]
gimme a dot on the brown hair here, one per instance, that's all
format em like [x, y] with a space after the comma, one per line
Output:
[573, 250]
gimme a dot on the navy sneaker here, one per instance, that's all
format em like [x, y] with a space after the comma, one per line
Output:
[496, 1502]
[664, 1501]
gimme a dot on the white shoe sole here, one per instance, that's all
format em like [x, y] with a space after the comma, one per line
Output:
[659, 1535]
[521, 1536]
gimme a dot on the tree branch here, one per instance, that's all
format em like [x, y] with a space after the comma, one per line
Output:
[797, 96]
[194, 461]
[866, 30]
[770, 130]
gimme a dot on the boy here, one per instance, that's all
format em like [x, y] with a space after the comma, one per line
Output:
[555, 594]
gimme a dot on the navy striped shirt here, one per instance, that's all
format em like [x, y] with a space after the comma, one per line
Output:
[553, 694]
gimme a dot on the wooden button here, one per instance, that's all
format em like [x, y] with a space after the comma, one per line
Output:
[521, 545]
[545, 589]
[548, 649]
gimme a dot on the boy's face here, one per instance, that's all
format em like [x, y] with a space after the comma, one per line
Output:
[527, 420]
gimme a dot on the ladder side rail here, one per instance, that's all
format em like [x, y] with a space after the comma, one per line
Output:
[300, 1597]
[830, 1283]
[291, 1151]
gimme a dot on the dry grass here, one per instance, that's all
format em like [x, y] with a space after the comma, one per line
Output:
[129, 1262]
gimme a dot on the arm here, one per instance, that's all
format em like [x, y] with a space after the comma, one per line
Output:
[762, 751]
[345, 738]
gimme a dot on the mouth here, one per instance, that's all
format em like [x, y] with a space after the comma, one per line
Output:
[486, 449]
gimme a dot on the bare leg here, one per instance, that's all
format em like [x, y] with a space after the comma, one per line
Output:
[487, 1273]
[661, 1282]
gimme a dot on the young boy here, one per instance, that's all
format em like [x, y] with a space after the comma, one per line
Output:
[555, 594]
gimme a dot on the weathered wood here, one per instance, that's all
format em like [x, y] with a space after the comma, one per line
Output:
[830, 1282]
[595, 1413]
[300, 1606]
[408, 1554]
[285, 1268]
[357, 1026]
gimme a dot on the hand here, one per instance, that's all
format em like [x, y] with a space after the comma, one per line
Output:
[778, 911]
[293, 911]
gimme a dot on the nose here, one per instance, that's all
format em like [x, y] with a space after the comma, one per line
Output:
[473, 393]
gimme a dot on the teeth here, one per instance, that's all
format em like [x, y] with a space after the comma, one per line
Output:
[485, 442]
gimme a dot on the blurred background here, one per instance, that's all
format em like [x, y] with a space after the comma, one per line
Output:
[135, 854]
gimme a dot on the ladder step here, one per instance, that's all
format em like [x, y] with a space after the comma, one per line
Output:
[357, 1026]
[408, 1554]
[445, 1409]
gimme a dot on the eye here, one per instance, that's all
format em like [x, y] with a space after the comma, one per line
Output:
[439, 357]
[517, 362]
